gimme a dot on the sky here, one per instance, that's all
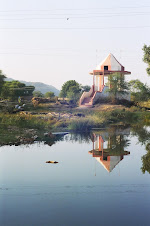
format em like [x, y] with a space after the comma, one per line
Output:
[53, 41]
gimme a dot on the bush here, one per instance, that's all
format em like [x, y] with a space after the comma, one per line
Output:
[81, 125]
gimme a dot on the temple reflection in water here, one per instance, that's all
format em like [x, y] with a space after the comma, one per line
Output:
[108, 147]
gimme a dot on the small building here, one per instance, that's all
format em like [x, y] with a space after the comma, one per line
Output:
[106, 68]
[108, 149]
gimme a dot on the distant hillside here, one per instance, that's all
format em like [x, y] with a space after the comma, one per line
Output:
[39, 86]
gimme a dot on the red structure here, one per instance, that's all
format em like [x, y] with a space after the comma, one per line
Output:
[108, 66]
[108, 152]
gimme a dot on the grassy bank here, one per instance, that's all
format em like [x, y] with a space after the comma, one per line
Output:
[103, 119]
[25, 128]
[91, 119]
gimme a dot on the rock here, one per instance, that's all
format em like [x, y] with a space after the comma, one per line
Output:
[51, 162]
[45, 134]
[80, 115]
[49, 135]
[35, 137]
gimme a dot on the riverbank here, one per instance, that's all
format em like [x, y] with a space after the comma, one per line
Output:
[31, 125]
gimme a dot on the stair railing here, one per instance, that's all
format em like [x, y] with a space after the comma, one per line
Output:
[86, 95]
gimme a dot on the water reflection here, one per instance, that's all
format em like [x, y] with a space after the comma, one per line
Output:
[146, 160]
[69, 189]
[108, 147]
[143, 134]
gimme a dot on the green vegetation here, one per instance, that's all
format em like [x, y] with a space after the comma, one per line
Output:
[49, 95]
[85, 88]
[38, 94]
[118, 86]
[146, 57]
[81, 120]
[105, 118]
[71, 89]
[11, 90]
[2, 77]
[139, 91]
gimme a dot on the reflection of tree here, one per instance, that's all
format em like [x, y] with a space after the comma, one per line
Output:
[79, 137]
[117, 143]
[142, 134]
[146, 160]
[144, 138]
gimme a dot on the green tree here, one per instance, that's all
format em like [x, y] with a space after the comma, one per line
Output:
[12, 90]
[49, 95]
[146, 57]
[38, 94]
[2, 77]
[139, 91]
[117, 85]
[74, 93]
[70, 88]
[86, 88]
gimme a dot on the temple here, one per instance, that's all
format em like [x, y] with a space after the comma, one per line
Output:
[108, 66]
[108, 149]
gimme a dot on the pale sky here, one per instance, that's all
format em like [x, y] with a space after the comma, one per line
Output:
[53, 41]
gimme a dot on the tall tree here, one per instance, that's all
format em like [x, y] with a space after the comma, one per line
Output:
[49, 94]
[2, 77]
[146, 57]
[117, 85]
[69, 87]
[139, 90]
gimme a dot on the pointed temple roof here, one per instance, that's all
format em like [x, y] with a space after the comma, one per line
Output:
[110, 165]
[111, 61]
[108, 66]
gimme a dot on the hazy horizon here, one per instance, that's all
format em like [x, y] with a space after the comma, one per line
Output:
[56, 41]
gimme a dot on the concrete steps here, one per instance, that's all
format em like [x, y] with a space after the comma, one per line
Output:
[87, 103]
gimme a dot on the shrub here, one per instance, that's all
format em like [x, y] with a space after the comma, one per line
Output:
[81, 125]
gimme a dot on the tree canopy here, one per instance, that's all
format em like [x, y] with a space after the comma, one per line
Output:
[12, 90]
[71, 89]
[146, 57]
[70, 86]
[49, 94]
[86, 88]
[139, 90]
[2, 77]
[117, 85]
[38, 94]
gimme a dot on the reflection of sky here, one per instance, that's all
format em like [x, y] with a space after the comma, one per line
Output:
[70, 186]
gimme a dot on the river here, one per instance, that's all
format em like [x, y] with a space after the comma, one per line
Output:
[98, 180]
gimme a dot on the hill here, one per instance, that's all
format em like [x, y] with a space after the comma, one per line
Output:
[39, 86]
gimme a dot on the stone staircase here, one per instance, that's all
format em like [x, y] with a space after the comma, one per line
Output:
[87, 102]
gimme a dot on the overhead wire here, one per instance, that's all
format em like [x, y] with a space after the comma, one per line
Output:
[75, 28]
[73, 17]
[75, 9]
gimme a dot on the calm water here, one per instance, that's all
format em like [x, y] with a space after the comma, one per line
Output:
[98, 181]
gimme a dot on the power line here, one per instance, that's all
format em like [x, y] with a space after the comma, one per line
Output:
[79, 14]
[70, 28]
[74, 9]
[70, 17]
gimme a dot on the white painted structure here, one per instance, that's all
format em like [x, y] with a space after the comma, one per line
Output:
[108, 66]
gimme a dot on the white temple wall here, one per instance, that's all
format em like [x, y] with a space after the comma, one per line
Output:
[115, 66]
[105, 94]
